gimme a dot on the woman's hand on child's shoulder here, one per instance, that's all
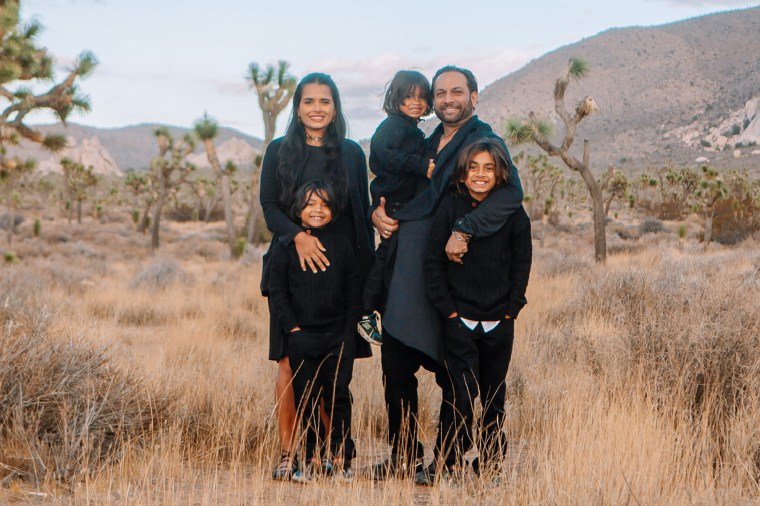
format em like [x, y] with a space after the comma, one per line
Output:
[311, 253]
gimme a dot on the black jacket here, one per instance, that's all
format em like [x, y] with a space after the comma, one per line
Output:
[397, 156]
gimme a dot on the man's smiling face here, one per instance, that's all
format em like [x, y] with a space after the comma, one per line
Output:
[452, 100]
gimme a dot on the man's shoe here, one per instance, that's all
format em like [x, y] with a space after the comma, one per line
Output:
[345, 474]
[429, 475]
[371, 329]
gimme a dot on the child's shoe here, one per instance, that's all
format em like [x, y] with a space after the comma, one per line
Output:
[304, 475]
[371, 329]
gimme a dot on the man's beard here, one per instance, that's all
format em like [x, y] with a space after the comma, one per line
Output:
[464, 112]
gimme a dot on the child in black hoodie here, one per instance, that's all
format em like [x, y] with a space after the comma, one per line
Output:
[398, 158]
[320, 311]
[479, 297]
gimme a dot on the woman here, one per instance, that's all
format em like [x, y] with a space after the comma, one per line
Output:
[314, 148]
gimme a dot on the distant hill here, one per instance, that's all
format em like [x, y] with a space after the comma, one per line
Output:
[114, 150]
[679, 91]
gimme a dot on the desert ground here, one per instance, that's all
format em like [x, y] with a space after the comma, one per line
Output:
[131, 377]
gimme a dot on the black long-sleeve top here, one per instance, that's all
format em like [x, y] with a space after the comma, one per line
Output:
[488, 218]
[492, 281]
[397, 156]
[320, 300]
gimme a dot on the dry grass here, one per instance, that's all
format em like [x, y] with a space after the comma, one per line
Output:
[635, 383]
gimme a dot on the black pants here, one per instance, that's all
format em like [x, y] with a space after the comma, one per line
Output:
[378, 277]
[476, 365]
[322, 364]
[400, 363]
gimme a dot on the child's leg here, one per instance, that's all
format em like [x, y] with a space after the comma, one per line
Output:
[336, 375]
[374, 286]
[495, 350]
[307, 391]
[461, 355]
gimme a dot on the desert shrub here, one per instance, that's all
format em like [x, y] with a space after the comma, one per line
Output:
[735, 220]
[65, 409]
[682, 336]
[556, 263]
[160, 274]
[651, 226]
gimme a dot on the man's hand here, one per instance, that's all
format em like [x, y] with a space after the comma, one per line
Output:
[384, 224]
[455, 249]
[311, 252]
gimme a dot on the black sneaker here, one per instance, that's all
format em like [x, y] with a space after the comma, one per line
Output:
[390, 468]
[429, 475]
[371, 329]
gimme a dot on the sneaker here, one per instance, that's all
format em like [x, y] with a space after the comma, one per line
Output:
[303, 475]
[370, 327]
[390, 468]
[428, 476]
[327, 467]
[345, 474]
[287, 467]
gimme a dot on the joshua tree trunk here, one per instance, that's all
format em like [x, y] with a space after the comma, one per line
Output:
[226, 194]
[79, 211]
[143, 226]
[600, 236]
[154, 239]
[254, 208]
[709, 214]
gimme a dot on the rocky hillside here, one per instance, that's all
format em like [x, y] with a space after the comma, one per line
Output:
[114, 150]
[682, 91]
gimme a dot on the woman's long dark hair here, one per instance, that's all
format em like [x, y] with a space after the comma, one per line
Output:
[293, 150]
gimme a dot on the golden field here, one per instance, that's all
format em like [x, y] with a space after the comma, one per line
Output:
[133, 378]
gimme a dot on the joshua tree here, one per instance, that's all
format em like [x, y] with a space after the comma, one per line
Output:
[77, 179]
[534, 130]
[710, 190]
[274, 87]
[23, 65]
[141, 186]
[206, 128]
[615, 183]
[169, 171]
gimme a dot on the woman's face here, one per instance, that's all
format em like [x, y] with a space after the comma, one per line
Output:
[316, 109]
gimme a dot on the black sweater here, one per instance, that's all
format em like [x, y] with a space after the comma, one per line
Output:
[492, 281]
[324, 300]
[397, 156]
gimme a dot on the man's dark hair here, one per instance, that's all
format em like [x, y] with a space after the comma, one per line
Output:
[321, 189]
[472, 83]
[403, 85]
[495, 148]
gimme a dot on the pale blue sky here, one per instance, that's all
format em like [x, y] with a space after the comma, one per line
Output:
[169, 61]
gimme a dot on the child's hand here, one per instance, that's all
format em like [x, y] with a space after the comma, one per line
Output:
[311, 252]
[431, 169]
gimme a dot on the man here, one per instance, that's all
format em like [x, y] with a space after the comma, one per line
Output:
[412, 329]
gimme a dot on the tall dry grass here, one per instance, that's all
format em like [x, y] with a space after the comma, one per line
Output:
[634, 383]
